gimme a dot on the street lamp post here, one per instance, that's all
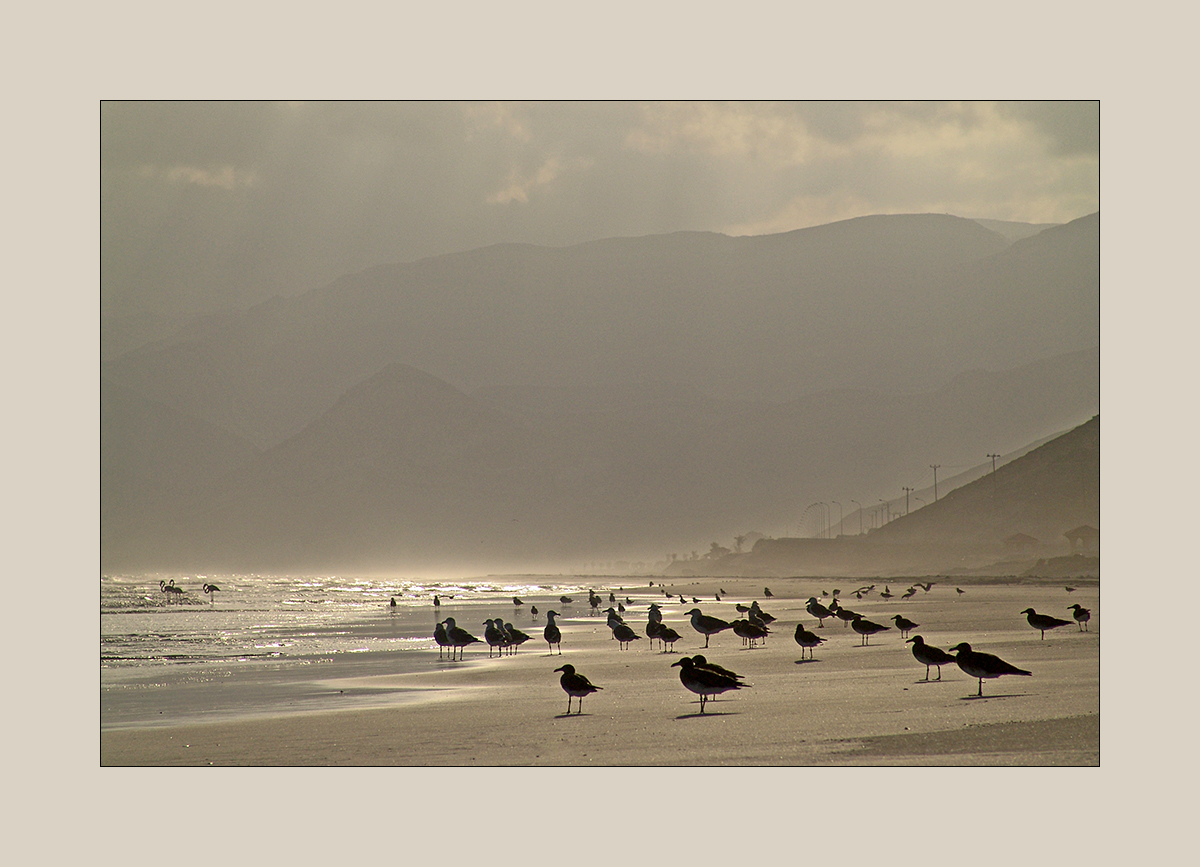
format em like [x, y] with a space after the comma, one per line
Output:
[841, 516]
[860, 526]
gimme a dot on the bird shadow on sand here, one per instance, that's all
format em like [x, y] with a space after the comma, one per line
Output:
[706, 715]
[571, 715]
[805, 661]
[997, 695]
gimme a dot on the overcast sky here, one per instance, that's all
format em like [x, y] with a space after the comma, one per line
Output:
[210, 205]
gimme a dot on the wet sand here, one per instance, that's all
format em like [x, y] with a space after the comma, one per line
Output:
[851, 705]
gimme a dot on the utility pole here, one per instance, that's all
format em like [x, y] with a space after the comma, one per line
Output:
[907, 491]
[993, 457]
[860, 527]
[935, 469]
[841, 517]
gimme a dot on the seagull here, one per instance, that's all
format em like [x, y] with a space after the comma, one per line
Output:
[575, 684]
[439, 635]
[807, 639]
[887, 593]
[767, 592]
[652, 630]
[929, 655]
[1070, 589]
[867, 628]
[981, 665]
[667, 635]
[706, 625]
[494, 636]
[749, 631]
[391, 604]
[552, 633]
[1082, 615]
[909, 593]
[459, 638]
[817, 610]
[756, 612]
[844, 614]
[904, 625]
[437, 603]
[210, 589]
[959, 591]
[624, 634]
[565, 600]
[705, 682]
[533, 611]
[515, 637]
[700, 662]
[517, 601]
[1042, 622]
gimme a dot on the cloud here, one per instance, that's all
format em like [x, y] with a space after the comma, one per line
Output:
[226, 177]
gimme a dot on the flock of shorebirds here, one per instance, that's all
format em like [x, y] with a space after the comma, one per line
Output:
[706, 679]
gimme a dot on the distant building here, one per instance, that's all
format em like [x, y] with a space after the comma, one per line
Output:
[1084, 540]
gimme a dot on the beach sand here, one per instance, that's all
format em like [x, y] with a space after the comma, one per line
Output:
[851, 705]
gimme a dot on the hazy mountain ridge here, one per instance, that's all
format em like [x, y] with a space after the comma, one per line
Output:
[875, 302]
[629, 396]
[405, 468]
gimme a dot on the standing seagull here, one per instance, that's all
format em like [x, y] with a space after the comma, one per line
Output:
[552, 633]
[1042, 622]
[493, 634]
[439, 635]
[624, 634]
[767, 592]
[515, 638]
[929, 655]
[575, 684]
[817, 610]
[667, 635]
[210, 589]
[983, 665]
[904, 625]
[1082, 616]
[459, 638]
[807, 639]
[705, 682]
[867, 628]
[750, 632]
[707, 626]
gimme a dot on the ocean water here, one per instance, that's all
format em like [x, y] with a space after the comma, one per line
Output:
[265, 645]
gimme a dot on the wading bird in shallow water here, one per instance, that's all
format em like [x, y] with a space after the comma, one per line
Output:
[929, 655]
[459, 638]
[807, 639]
[575, 684]
[171, 590]
[707, 626]
[981, 665]
[705, 681]
[210, 589]
[1042, 622]
[904, 625]
[1082, 616]
[517, 601]
[552, 633]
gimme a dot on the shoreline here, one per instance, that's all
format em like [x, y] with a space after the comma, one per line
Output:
[852, 704]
